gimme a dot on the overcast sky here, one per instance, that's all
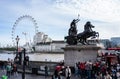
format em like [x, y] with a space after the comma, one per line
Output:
[53, 17]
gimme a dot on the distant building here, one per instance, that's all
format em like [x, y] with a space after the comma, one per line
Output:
[42, 43]
[115, 41]
[105, 42]
[54, 46]
[40, 37]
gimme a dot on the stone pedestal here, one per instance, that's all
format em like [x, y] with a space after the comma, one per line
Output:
[80, 53]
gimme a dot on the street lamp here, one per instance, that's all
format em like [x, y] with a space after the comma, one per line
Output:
[23, 73]
[17, 40]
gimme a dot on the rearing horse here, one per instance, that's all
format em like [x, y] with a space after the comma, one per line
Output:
[82, 37]
[88, 32]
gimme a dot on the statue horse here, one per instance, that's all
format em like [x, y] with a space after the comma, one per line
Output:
[82, 37]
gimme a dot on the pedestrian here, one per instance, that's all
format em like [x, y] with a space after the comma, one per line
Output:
[15, 70]
[82, 70]
[76, 70]
[62, 72]
[113, 73]
[118, 67]
[8, 68]
[98, 75]
[88, 68]
[12, 64]
[46, 70]
[68, 72]
[107, 76]
[3, 67]
[56, 74]
[118, 74]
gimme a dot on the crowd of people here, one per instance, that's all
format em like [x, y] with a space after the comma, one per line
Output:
[62, 72]
[89, 70]
[9, 68]
[97, 70]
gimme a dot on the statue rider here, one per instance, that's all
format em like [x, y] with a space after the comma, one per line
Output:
[73, 28]
[88, 27]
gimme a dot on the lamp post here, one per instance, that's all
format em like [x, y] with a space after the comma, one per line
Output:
[17, 40]
[23, 73]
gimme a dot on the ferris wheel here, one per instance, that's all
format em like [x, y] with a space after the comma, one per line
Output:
[17, 22]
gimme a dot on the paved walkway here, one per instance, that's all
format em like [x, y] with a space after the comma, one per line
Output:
[30, 76]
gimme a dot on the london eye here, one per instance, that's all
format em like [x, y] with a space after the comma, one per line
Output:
[19, 28]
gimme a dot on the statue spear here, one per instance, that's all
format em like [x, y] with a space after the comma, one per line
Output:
[78, 16]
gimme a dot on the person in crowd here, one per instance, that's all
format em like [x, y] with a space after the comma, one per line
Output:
[82, 69]
[68, 72]
[77, 70]
[98, 75]
[8, 69]
[107, 76]
[103, 69]
[56, 75]
[88, 68]
[12, 64]
[15, 70]
[3, 67]
[118, 74]
[113, 73]
[46, 70]
[9, 61]
[62, 72]
[118, 67]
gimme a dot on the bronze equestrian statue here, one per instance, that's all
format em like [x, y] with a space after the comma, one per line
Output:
[73, 38]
